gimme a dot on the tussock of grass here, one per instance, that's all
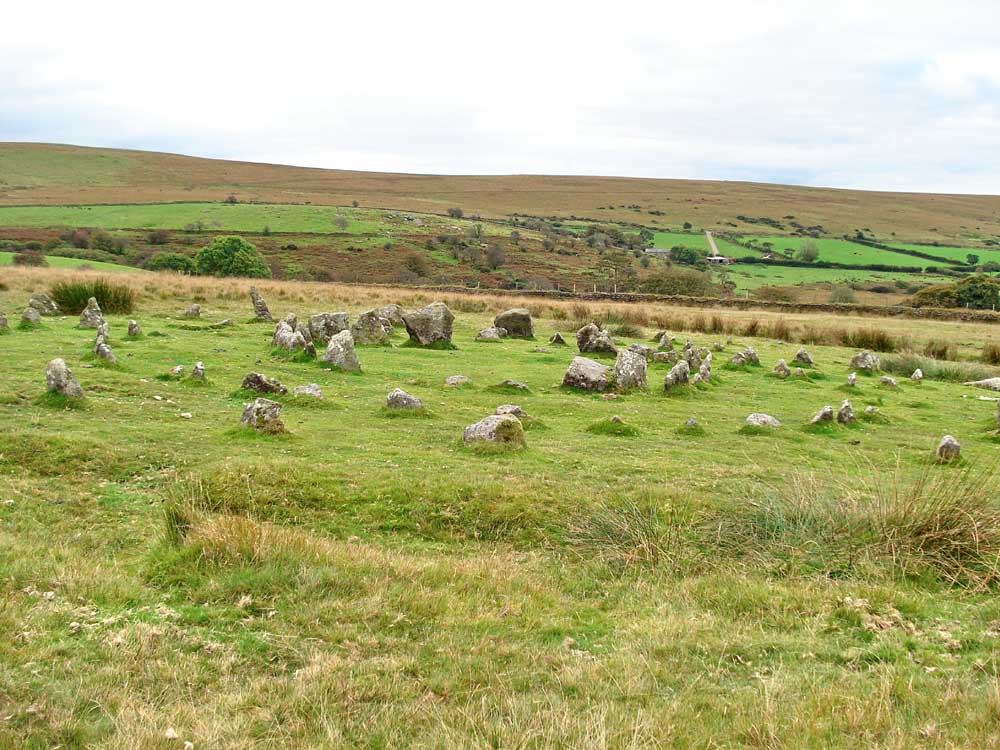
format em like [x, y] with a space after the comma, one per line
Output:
[114, 298]
[934, 369]
[53, 400]
[991, 354]
[626, 532]
[300, 356]
[755, 431]
[421, 413]
[944, 524]
[436, 346]
[617, 429]
[686, 430]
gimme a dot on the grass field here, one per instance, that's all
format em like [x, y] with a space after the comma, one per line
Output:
[62, 175]
[751, 276]
[370, 582]
[56, 262]
[852, 253]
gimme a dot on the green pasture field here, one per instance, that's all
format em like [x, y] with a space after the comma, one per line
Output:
[753, 275]
[366, 580]
[57, 262]
[957, 253]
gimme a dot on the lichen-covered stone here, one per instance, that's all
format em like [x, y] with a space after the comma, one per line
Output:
[429, 325]
[587, 375]
[340, 352]
[326, 324]
[503, 429]
[91, 317]
[518, 323]
[59, 379]
[400, 399]
[371, 328]
[592, 340]
[255, 381]
[948, 449]
[630, 370]
[263, 415]
[260, 311]
[866, 361]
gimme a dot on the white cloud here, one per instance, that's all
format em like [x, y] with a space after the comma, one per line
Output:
[894, 94]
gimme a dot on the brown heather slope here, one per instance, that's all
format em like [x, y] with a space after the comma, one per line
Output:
[57, 174]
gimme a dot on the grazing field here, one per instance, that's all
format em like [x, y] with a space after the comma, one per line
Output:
[754, 275]
[366, 580]
[54, 175]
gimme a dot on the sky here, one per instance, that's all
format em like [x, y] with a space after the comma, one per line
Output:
[881, 94]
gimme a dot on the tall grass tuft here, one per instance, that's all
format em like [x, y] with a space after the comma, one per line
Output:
[943, 524]
[935, 369]
[991, 354]
[628, 532]
[872, 338]
[114, 299]
[940, 349]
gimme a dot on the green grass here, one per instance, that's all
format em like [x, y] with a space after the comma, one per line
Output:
[370, 582]
[56, 262]
[751, 276]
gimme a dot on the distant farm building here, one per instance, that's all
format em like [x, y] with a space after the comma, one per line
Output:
[719, 260]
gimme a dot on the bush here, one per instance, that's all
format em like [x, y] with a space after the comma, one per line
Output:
[231, 256]
[114, 299]
[976, 292]
[171, 262]
[685, 282]
[842, 295]
[29, 258]
[869, 338]
[775, 294]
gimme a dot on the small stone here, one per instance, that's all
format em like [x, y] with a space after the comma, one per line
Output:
[194, 311]
[400, 399]
[781, 369]
[59, 379]
[616, 419]
[31, 317]
[312, 390]
[496, 428]
[845, 415]
[491, 334]
[557, 340]
[691, 422]
[917, 375]
[870, 410]
[852, 379]
[177, 371]
[255, 381]
[515, 384]
[645, 351]
[263, 415]
[227, 322]
[134, 329]
[762, 420]
[823, 415]
[718, 346]
[668, 358]
[454, 381]
[198, 371]
[186, 415]
[103, 351]
[887, 381]
[948, 449]
[514, 409]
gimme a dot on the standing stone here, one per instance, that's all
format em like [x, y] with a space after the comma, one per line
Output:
[665, 343]
[44, 304]
[645, 351]
[393, 313]
[496, 428]
[948, 449]
[400, 399]
[865, 360]
[823, 415]
[781, 369]
[888, 382]
[917, 375]
[802, 358]
[518, 323]
[255, 381]
[194, 311]
[762, 420]
[260, 312]
[371, 328]
[263, 415]
[751, 356]
[293, 321]
[679, 374]
[59, 379]
[103, 351]
[491, 334]
[705, 371]
[630, 370]
[134, 329]
[852, 379]
[430, 325]
[91, 316]
[557, 340]
[592, 340]
[285, 337]
[31, 317]
[718, 346]
[324, 325]
[667, 358]
[845, 415]
[587, 375]
[340, 352]
[198, 372]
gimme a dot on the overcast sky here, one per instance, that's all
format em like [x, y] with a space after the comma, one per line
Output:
[880, 94]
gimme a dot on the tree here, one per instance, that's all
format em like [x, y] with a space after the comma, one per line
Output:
[685, 255]
[687, 224]
[808, 251]
[231, 256]
[456, 213]
[495, 256]
[171, 262]
[978, 292]
[616, 267]
[158, 237]
[686, 282]
[972, 259]
[340, 222]
[515, 237]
